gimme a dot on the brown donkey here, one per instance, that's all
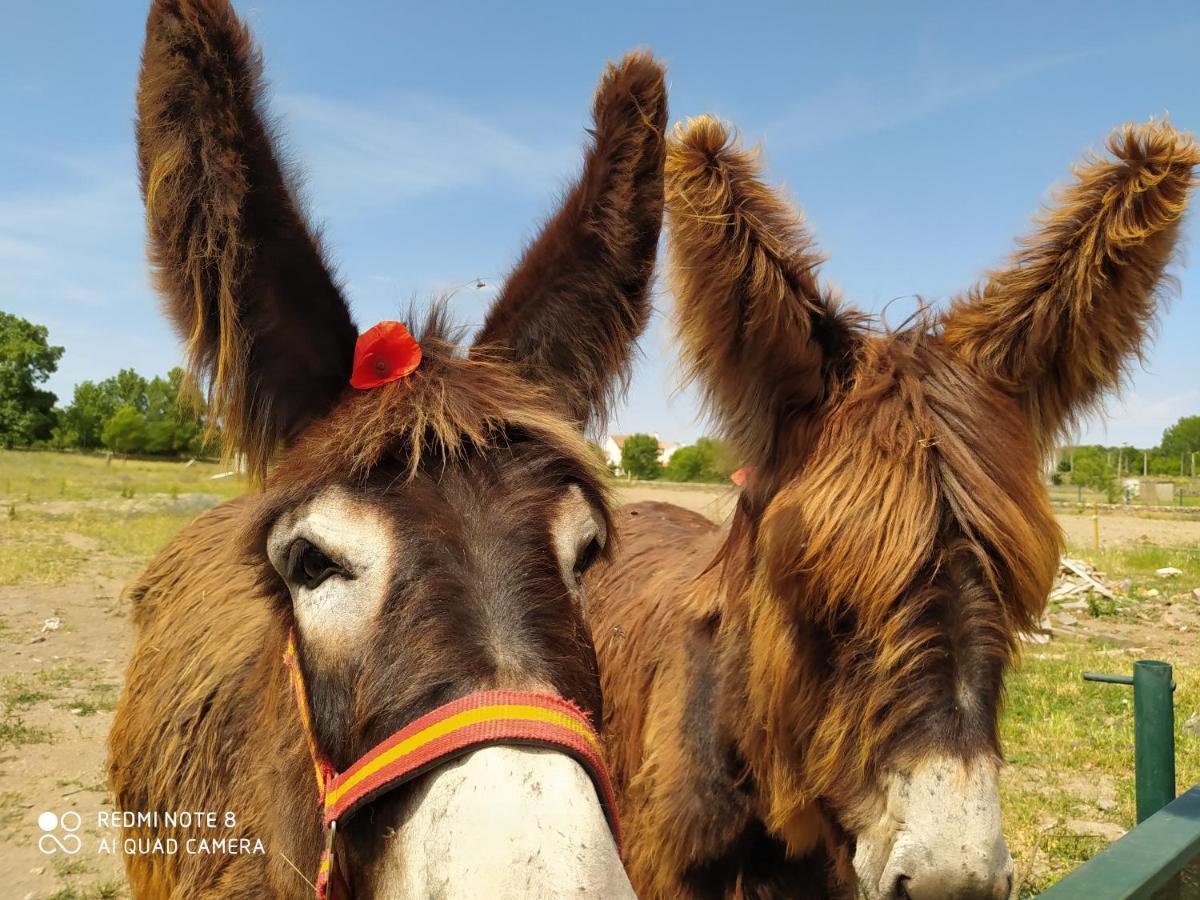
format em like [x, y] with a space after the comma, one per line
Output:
[424, 539]
[806, 704]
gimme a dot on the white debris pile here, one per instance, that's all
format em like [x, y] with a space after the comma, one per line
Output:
[1076, 579]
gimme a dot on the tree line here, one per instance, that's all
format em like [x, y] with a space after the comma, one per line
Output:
[126, 413]
[707, 460]
[1103, 468]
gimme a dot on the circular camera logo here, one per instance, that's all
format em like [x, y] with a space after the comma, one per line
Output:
[51, 824]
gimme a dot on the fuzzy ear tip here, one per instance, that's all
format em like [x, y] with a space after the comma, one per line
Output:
[192, 19]
[703, 134]
[1154, 142]
[639, 71]
[639, 77]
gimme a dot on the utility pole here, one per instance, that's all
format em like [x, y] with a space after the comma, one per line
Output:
[1145, 463]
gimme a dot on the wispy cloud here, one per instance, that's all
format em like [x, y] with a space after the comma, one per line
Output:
[358, 157]
[72, 245]
[853, 107]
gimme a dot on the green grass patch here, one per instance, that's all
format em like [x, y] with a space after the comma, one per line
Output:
[1100, 606]
[17, 693]
[107, 890]
[15, 733]
[66, 867]
[40, 550]
[1142, 560]
[63, 510]
[28, 476]
[104, 890]
[73, 687]
[65, 675]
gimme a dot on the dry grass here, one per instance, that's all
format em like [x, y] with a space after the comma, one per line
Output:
[66, 514]
[26, 477]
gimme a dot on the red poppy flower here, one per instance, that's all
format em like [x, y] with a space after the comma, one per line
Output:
[382, 354]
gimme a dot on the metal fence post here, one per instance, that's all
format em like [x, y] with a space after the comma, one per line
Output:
[1153, 732]
[1153, 736]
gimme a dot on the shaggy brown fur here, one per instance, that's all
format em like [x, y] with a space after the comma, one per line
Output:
[466, 459]
[860, 612]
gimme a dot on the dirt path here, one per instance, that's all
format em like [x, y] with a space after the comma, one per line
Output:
[1121, 531]
[716, 502]
[59, 687]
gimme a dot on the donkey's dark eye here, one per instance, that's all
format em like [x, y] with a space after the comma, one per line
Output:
[308, 566]
[586, 557]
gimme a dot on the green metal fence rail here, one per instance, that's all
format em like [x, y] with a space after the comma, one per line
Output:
[1141, 862]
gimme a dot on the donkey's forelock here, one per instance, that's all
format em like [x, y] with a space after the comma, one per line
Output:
[916, 455]
[453, 406]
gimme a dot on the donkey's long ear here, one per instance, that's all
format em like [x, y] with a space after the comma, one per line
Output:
[759, 333]
[1061, 323]
[571, 310]
[240, 269]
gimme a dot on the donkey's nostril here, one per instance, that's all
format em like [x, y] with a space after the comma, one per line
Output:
[900, 889]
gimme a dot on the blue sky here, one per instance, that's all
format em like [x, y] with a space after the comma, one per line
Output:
[918, 139]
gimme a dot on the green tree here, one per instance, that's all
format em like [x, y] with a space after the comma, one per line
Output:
[83, 421]
[126, 431]
[172, 423]
[128, 388]
[1093, 469]
[706, 460]
[1178, 444]
[26, 361]
[639, 456]
[1182, 437]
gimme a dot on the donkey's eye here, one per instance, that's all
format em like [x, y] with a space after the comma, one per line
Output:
[588, 555]
[308, 566]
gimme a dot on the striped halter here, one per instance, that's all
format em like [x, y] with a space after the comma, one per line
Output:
[462, 726]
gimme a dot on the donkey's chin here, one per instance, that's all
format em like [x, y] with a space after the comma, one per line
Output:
[939, 836]
[503, 822]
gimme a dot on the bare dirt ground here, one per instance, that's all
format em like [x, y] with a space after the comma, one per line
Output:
[60, 685]
[64, 683]
[1122, 531]
[1115, 530]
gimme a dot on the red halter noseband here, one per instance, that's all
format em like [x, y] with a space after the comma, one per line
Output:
[481, 719]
